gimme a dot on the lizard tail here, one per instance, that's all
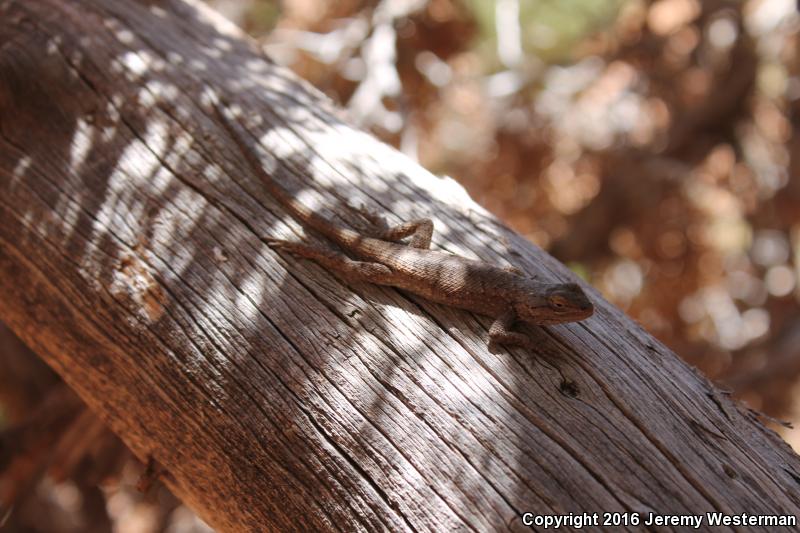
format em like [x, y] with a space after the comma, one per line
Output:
[342, 236]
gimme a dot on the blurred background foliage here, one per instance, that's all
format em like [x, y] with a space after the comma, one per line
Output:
[649, 145]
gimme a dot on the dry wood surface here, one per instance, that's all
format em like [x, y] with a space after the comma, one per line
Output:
[273, 394]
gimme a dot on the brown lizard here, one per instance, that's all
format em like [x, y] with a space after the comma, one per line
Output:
[505, 294]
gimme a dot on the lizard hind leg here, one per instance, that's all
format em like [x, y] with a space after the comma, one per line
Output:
[514, 270]
[336, 261]
[420, 231]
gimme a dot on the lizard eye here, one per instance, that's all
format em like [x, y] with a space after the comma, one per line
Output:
[558, 303]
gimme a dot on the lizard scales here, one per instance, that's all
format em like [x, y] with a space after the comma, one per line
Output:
[505, 294]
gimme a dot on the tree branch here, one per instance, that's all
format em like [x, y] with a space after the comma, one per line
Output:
[274, 395]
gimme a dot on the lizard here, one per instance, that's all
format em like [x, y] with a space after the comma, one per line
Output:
[505, 294]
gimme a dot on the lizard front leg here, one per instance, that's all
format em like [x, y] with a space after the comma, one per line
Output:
[501, 333]
[336, 261]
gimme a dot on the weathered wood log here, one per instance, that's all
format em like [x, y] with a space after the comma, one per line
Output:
[275, 395]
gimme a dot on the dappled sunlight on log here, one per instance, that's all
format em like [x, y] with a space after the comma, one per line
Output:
[274, 394]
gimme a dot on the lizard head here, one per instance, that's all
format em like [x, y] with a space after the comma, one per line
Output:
[554, 304]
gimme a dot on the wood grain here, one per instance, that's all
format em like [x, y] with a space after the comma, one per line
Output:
[277, 396]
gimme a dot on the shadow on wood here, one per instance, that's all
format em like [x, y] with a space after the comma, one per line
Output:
[274, 395]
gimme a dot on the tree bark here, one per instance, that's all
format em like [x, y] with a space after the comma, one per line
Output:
[274, 395]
